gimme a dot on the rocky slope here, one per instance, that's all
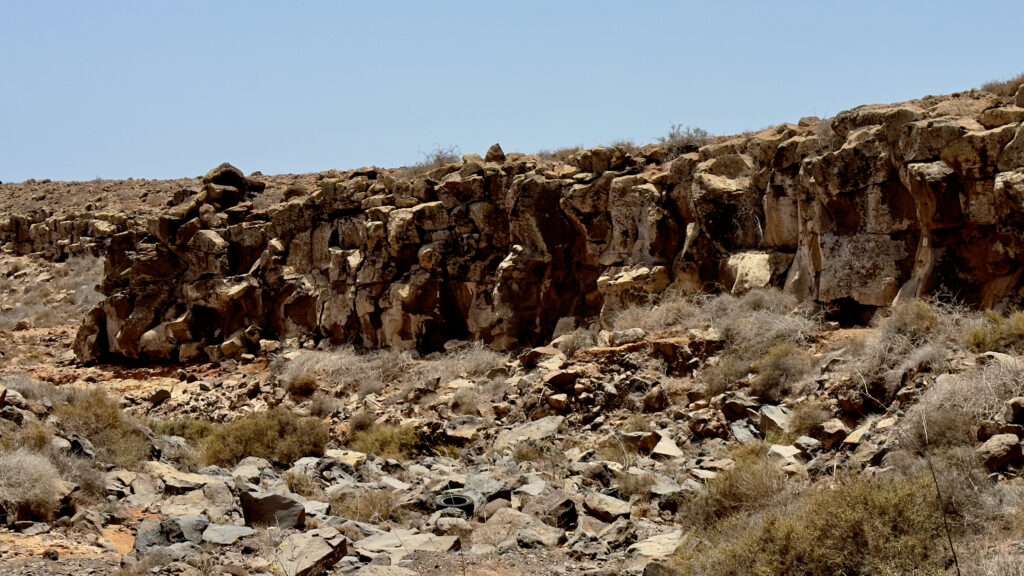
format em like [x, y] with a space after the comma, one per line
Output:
[881, 203]
[281, 377]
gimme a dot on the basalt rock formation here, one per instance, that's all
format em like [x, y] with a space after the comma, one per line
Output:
[879, 204]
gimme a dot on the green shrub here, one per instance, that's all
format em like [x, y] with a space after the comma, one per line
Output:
[277, 435]
[192, 429]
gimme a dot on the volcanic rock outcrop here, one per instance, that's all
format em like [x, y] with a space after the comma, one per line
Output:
[879, 204]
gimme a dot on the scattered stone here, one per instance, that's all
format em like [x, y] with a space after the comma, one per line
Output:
[311, 553]
[1001, 452]
[226, 534]
[536, 430]
[604, 507]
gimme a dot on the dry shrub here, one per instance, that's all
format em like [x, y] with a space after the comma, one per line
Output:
[303, 386]
[778, 370]
[472, 361]
[912, 338]
[304, 485]
[630, 485]
[373, 506]
[344, 370]
[386, 441]
[360, 421]
[954, 406]
[323, 405]
[439, 157]
[1004, 88]
[720, 377]
[277, 435]
[806, 416]
[995, 332]
[682, 139]
[759, 328]
[28, 486]
[671, 311]
[915, 320]
[863, 526]
[752, 484]
[465, 401]
[117, 437]
[34, 436]
[32, 389]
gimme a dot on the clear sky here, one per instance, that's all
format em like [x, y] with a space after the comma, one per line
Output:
[162, 88]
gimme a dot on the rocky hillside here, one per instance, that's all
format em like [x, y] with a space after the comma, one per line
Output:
[792, 352]
[878, 205]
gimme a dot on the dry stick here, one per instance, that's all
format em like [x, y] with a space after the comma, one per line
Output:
[938, 494]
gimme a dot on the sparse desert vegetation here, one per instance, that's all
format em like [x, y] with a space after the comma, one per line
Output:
[761, 354]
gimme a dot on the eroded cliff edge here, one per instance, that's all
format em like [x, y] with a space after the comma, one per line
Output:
[881, 203]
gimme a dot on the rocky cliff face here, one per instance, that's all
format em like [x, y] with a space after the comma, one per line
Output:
[881, 203]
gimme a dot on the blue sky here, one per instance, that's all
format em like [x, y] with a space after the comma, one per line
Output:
[157, 89]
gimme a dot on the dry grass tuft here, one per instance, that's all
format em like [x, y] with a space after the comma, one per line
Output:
[28, 488]
[766, 333]
[345, 371]
[374, 506]
[386, 441]
[954, 407]
[1004, 88]
[304, 485]
[778, 371]
[117, 437]
[995, 332]
[806, 416]
[752, 484]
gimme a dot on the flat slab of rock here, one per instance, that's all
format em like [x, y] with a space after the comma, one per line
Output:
[536, 430]
[226, 534]
[604, 507]
[507, 525]
[399, 543]
[660, 546]
[174, 479]
[347, 457]
[311, 553]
